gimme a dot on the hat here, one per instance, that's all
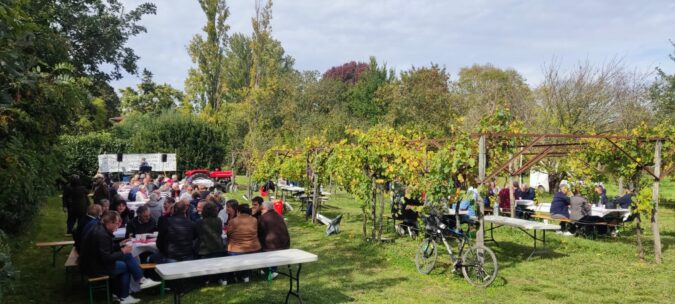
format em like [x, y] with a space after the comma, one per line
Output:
[268, 205]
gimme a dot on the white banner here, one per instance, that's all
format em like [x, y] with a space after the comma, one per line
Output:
[131, 162]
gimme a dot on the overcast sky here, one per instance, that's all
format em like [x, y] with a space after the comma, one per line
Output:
[519, 34]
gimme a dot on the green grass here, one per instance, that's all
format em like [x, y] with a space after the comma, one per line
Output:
[349, 270]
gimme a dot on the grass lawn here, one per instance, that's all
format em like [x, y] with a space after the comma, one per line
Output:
[349, 270]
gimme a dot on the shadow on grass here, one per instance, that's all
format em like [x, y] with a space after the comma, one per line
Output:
[509, 254]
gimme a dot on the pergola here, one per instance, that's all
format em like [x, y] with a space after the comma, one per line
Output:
[540, 146]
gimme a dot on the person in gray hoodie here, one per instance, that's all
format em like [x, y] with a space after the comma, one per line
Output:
[156, 206]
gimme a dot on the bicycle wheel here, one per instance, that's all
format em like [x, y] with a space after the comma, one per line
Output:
[425, 259]
[479, 266]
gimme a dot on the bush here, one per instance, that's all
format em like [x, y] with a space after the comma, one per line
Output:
[80, 152]
[7, 272]
[28, 172]
[197, 144]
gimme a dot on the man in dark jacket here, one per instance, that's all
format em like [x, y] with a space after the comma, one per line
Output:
[560, 203]
[101, 256]
[142, 223]
[85, 224]
[272, 230]
[176, 236]
[75, 201]
[100, 189]
[256, 207]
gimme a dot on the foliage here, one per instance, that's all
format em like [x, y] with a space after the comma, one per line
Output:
[205, 86]
[94, 33]
[643, 202]
[349, 72]
[80, 152]
[420, 101]
[362, 102]
[452, 168]
[150, 97]
[662, 93]
[197, 144]
[484, 89]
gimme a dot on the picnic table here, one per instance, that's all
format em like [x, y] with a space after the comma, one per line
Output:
[56, 247]
[522, 225]
[599, 211]
[188, 269]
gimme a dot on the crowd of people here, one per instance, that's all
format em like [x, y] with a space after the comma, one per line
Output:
[189, 223]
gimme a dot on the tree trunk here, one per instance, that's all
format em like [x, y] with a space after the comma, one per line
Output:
[315, 195]
[621, 185]
[248, 176]
[655, 197]
[365, 223]
[373, 206]
[553, 182]
[638, 235]
[379, 229]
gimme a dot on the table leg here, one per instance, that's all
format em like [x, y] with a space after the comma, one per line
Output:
[295, 278]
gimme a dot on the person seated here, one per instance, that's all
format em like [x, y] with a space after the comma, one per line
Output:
[209, 231]
[272, 231]
[101, 256]
[410, 216]
[505, 198]
[143, 223]
[517, 193]
[123, 210]
[105, 205]
[527, 192]
[256, 207]
[579, 206]
[242, 236]
[156, 205]
[85, 224]
[176, 236]
[560, 207]
[142, 194]
[196, 213]
[600, 190]
[622, 202]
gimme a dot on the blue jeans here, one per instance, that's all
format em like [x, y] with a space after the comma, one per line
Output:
[124, 270]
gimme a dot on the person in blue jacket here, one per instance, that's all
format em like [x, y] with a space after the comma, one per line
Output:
[561, 202]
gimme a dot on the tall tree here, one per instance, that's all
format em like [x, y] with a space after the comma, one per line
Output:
[150, 97]
[421, 100]
[483, 89]
[205, 85]
[663, 93]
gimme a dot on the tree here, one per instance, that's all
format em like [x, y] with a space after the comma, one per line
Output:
[484, 89]
[362, 102]
[349, 72]
[421, 100]
[205, 85]
[150, 97]
[237, 65]
[662, 93]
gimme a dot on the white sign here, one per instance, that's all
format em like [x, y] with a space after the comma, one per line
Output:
[131, 162]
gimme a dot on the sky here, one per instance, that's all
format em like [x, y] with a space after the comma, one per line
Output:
[525, 35]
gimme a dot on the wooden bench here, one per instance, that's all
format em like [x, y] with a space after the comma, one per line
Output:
[580, 223]
[56, 247]
[71, 265]
[176, 272]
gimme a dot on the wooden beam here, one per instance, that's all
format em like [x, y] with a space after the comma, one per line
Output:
[533, 161]
[576, 136]
[631, 157]
[656, 235]
[514, 157]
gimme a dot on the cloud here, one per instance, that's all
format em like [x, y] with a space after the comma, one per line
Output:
[523, 35]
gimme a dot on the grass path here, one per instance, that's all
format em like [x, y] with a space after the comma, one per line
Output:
[349, 270]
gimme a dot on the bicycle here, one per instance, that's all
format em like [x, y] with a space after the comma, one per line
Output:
[478, 264]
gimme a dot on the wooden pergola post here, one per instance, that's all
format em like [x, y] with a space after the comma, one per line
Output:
[655, 197]
[481, 178]
[512, 195]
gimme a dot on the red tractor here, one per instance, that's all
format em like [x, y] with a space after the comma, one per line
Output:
[219, 178]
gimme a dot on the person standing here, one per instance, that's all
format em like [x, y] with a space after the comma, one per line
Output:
[101, 190]
[75, 202]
